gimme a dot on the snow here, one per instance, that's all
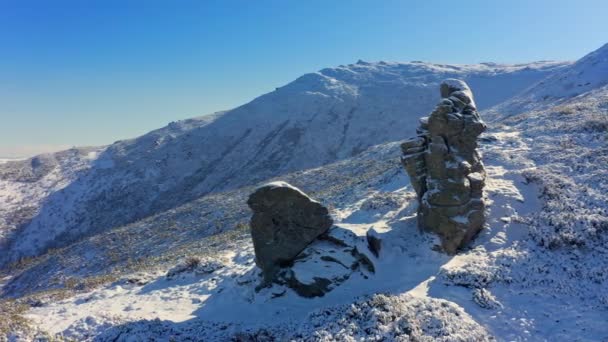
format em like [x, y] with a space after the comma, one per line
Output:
[319, 118]
[483, 285]
[252, 307]
[22, 197]
[460, 86]
[281, 184]
[538, 271]
[585, 75]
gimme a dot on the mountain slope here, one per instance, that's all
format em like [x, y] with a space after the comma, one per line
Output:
[319, 118]
[586, 74]
[537, 272]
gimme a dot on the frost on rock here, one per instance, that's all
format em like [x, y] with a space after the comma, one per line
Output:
[445, 168]
[379, 317]
[328, 262]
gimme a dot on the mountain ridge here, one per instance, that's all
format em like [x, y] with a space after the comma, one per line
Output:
[316, 119]
[586, 74]
[535, 272]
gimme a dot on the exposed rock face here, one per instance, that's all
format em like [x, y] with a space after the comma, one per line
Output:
[445, 168]
[284, 222]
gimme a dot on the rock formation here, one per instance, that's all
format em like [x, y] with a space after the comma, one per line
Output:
[445, 168]
[329, 261]
[296, 244]
[284, 222]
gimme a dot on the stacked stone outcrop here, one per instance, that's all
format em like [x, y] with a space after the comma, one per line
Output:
[445, 167]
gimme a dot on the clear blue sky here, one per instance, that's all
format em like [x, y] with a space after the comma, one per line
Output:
[90, 72]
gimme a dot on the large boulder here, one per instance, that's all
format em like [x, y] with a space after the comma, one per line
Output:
[284, 222]
[445, 168]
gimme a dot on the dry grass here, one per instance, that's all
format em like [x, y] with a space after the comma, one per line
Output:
[596, 122]
[12, 320]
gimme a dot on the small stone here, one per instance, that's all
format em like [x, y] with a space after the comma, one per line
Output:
[477, 181]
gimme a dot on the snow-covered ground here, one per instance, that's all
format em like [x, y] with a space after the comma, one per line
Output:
[537, 272]
[504, 286]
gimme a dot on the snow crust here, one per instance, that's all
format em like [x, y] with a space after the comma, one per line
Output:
[282, 184]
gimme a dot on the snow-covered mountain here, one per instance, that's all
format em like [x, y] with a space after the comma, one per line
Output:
[538, 271]
[586, 74]
[6, 160]
[50, 201]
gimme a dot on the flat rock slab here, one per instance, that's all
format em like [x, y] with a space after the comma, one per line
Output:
[284, 222]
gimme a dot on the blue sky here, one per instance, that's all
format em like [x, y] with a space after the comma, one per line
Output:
[92, 72]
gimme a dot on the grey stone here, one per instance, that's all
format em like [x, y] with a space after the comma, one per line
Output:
[424, 122]
[284, 222]
[477, 181]
[415, 165]
[449, 179]
[413, 143]
[449, 192]
[413, 150]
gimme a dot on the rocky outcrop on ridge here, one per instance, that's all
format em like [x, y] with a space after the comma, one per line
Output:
[284, 222]
[445, 168]
[296, 244]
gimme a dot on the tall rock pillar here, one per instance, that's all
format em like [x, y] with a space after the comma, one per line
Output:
[445, 167]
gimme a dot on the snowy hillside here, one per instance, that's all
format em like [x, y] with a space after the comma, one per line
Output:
[25, 184]
[168, 254]
[588, 73]
[319, 118]
[537, 272]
